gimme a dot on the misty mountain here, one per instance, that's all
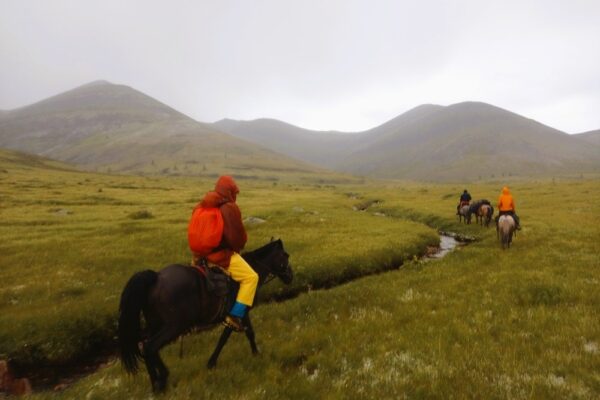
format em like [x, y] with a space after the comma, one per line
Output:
[317, 147]
[105, 126]
[324, 148]
[592, 137]
[463, 141]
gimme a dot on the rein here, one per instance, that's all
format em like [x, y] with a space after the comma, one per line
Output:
[270, 275]
[269, 278]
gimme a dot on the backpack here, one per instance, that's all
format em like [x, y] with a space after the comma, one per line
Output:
[205, 230]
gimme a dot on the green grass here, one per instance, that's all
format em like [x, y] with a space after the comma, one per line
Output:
[480, 323]
[71, 240]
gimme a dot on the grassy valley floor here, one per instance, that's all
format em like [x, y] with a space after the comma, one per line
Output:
[480, 323]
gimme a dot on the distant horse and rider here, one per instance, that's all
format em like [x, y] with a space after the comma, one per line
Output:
[482, 209]
[462, 209]
[507, 221]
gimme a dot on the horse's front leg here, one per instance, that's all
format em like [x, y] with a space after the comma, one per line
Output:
[250, 334]
[212, 361]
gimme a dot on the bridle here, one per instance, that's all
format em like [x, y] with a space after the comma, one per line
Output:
[270, 275]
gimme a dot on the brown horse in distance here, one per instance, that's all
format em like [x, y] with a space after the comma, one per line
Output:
[484, 214]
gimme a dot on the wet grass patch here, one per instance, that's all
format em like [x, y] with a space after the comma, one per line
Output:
[534, 295]
[141, 214]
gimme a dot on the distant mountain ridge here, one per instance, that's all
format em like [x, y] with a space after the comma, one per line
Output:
[464, 141]
[311, 146]
[592, 137]
[107, 127]
[103, 126]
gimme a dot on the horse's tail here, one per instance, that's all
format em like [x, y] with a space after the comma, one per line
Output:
[505, 237]
[490, 213]
[506, 227]
[133, 299]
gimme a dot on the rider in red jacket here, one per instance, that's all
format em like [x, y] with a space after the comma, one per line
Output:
[226, 254]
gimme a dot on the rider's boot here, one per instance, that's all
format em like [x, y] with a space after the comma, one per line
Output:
[234, 319]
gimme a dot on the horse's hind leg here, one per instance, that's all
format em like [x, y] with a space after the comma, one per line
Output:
[250, 334]
[157, 370]
[212, 361]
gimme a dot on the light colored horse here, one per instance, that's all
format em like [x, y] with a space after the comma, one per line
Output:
[463, 212]
[484, 214]
[505, 230]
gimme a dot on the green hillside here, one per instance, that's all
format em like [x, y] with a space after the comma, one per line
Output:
[468, 141]
[465, 141]
[106, 127]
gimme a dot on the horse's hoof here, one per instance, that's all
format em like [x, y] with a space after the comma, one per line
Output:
[211, 364]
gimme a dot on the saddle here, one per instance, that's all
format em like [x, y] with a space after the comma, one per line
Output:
[218, 283]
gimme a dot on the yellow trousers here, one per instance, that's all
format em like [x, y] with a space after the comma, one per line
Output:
[243, 273]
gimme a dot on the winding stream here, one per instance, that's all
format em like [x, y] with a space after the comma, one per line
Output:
[447, 244]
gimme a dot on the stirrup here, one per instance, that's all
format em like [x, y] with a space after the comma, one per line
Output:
[234, 323]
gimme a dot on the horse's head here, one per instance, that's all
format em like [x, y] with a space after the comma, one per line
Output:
[272, 259]
[279, 262]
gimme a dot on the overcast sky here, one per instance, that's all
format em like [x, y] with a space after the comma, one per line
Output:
[341, 65]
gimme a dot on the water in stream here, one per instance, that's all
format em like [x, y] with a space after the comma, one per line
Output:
[447, 244]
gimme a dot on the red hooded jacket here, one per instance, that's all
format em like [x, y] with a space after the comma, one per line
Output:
[234, 233]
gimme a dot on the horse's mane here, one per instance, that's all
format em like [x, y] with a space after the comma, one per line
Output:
[264, 250]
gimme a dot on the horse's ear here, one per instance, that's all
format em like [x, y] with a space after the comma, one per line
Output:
[272, 239]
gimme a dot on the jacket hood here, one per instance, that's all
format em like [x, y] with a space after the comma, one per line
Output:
[505, 190]
[225, 191]
[227, 188]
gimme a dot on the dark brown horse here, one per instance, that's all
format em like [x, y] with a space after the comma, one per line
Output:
[175, 300]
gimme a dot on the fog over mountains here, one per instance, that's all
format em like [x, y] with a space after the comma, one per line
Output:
[105, 126]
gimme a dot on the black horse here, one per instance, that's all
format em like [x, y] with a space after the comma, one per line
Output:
[176, 300]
